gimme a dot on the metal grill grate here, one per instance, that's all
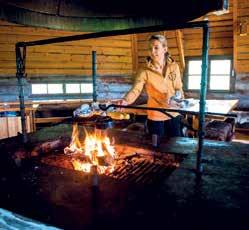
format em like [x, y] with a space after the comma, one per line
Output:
[142, 172]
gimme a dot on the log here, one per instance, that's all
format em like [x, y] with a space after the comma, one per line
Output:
[49, 146]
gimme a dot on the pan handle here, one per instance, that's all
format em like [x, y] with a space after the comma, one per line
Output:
[106, 107]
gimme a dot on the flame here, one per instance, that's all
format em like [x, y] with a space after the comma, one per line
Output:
[96, 149]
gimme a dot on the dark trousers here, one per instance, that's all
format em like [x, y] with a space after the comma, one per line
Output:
[168, 128]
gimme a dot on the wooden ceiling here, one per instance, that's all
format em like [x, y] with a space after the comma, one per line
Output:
[99, 15]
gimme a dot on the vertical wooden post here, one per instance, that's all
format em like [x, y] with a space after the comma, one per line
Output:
[180, 48]
[134, 53]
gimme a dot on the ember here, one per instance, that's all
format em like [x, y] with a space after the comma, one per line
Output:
[95, 150]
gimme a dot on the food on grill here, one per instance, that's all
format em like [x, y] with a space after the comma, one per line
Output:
[116, 115]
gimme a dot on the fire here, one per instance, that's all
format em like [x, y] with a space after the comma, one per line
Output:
[95, 150]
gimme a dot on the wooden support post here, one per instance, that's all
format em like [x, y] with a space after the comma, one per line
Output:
[180, 48]
[134, 53]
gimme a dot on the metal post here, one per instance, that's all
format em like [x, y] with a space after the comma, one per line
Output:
[94, 70]
[95, 177]
[203, 92]
[20, 66]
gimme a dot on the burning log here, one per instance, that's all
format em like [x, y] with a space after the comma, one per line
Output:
[49, 146]
[72, 151]
[95, 150]
[103, 160]
[40, 149]
[81, 165]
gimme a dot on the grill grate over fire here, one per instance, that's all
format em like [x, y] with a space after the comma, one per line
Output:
[137, 168]
[124, 163]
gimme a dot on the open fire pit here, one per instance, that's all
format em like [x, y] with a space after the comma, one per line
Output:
[94, 152]
[90, 180]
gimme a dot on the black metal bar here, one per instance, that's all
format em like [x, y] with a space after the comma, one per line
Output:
[94, 75]
[104, 107]
[20, 67]
[203, 93]
[113, 33]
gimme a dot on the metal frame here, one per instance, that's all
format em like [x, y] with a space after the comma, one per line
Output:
[94, 75]
[20, 74]
[203, 92]
[21, 54]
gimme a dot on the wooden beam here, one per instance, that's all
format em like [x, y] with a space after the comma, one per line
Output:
[235, 34]
[134, 53]
[50, 119]
[180, 48]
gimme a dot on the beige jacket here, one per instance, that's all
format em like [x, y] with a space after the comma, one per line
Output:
[159, 88]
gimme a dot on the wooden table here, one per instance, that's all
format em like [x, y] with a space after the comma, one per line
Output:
[214, 106]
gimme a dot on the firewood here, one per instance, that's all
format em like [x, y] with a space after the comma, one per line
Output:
[104, 160]
[72, 151]
[48, 147]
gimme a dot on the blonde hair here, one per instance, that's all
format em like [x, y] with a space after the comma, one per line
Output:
[162, 39]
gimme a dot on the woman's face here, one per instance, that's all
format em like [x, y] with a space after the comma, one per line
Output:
[157, 50]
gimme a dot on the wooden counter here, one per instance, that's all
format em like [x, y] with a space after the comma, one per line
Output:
[11, 124]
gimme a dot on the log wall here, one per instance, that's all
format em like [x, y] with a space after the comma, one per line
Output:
[243, 36]
[68, 61]
[69, 58]
[220, 42]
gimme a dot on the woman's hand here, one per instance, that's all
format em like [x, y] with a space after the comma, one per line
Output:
[173, 103]
[121, 102]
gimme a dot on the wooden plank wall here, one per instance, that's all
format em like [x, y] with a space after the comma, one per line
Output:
[243, 36]
[220, 43]
[116, 55]
[69, 58]
[220, 36]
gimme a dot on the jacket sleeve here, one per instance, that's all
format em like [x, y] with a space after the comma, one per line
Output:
[137, 87]
[178, 80]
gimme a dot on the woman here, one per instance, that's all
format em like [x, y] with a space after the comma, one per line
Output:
[162, 81]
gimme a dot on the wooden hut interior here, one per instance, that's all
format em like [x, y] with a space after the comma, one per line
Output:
[60, 57]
